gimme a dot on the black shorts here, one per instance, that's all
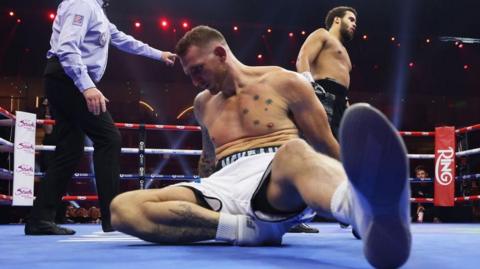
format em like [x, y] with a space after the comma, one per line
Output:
[333, 96]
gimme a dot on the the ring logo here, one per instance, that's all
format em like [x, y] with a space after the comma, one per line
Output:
[443, 166]
[24, 192]
[27, 124]
[25, 169]
[26, 147]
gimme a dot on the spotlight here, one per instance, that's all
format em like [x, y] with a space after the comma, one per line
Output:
[185, 24]
[303, 33]
[411, 64]
[51, 16]
[137, 24]
[269, 30]
[290, 34]
[259, 56]
[164, 24]
[460, 46]
[365, 37]
[428, 40]
[11, 13]
[19, 21]
[466, 66]
[235, 28]
[392, 38]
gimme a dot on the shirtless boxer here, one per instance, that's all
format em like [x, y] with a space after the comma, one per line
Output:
[269, 179]
[324, 61]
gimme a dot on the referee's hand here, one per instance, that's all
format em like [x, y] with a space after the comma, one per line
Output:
[96, 102]
[169, 58]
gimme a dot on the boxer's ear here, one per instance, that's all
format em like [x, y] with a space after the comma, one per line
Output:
[220, 52]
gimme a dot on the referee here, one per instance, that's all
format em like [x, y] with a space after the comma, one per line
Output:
[76, 61]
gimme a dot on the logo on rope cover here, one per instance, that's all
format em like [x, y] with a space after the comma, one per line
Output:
[27, 147]
[25, 169]
[443, 169]
[27, 124]
[24, 192]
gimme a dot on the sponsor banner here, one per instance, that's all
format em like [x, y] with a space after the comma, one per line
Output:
[444, 166]
[24, 159]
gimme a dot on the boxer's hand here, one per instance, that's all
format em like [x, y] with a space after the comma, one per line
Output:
[169, 58]
[96, 102]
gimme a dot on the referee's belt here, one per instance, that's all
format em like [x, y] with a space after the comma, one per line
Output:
[229, 159]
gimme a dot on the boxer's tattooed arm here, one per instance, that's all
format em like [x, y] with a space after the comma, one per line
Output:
[205, 167]
[206, 164]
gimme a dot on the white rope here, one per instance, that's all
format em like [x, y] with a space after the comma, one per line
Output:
[421, 156]
[5, 142]
[468, 152]
[134, 150]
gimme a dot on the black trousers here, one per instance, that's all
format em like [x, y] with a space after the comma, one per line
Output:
[73, 122]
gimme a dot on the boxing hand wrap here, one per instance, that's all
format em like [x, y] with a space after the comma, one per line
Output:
[319, 90]
[308, 76]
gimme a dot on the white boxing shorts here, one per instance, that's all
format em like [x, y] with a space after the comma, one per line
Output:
[233, 188]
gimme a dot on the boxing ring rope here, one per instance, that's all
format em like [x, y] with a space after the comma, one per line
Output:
[6, 113]
[467, 152]
[137, 126]
[421, 156]
[6, 174]
[141, 150]
[468, 129]
[466, 177]
[10, 145]
[458, 178]
[6, 143]
[411, 133]
[133, 150]
[457, 199]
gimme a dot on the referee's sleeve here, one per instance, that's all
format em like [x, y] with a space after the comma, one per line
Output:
[129, 44]
[72, 34]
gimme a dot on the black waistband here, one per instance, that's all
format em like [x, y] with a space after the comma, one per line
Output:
[332, 86]
[229, 159]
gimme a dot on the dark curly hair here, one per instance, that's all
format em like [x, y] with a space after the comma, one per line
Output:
[338, 12]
